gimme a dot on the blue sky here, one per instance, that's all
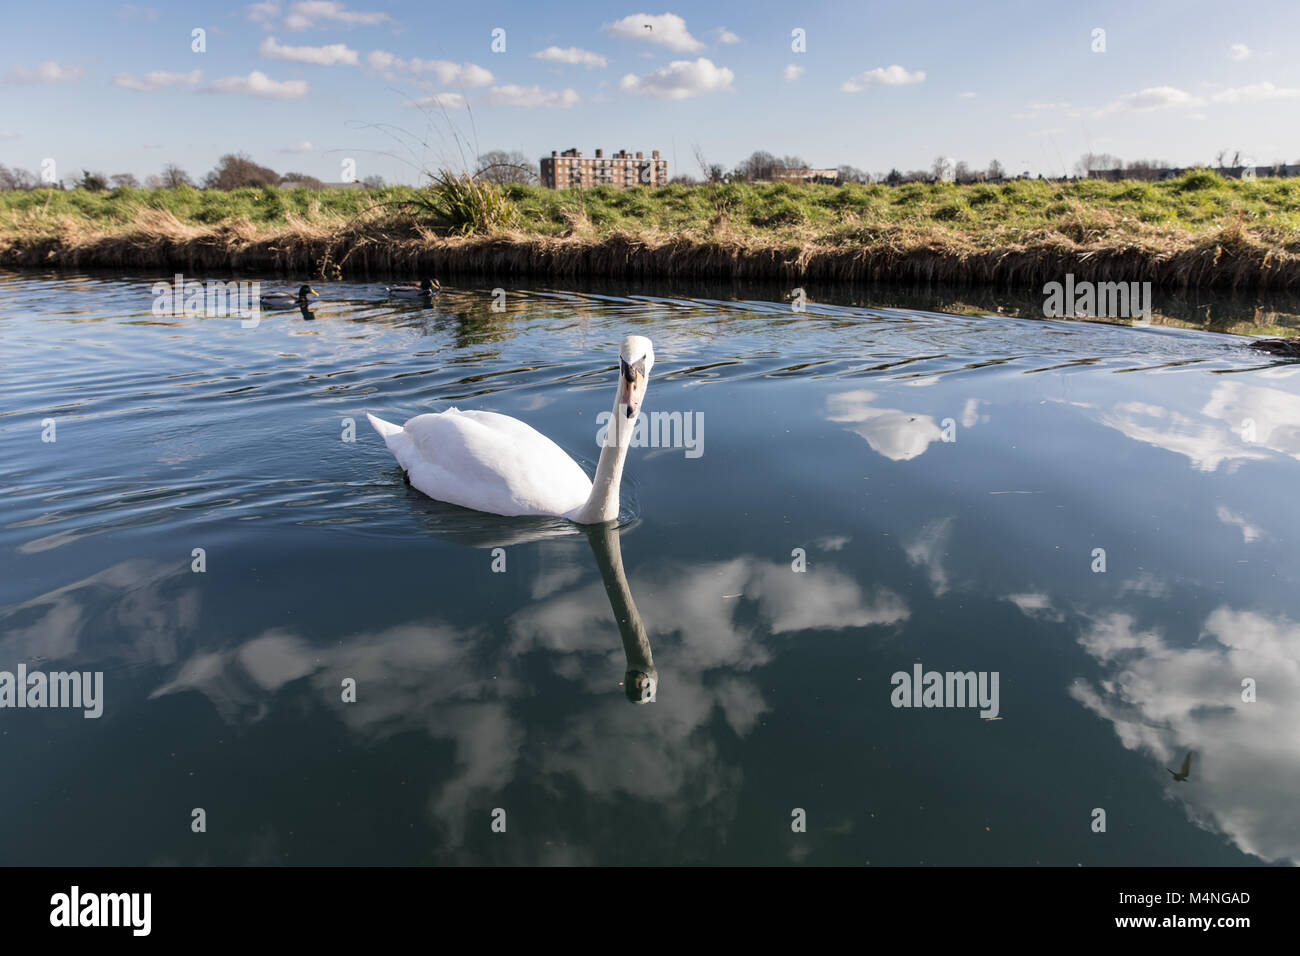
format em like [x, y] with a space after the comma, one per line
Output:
[304, 86]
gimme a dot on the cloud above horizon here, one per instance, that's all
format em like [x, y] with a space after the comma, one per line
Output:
[51, 71]
[258, 83]
[446, 72]
[313, 13]
[666, 29]
[680, 80]
[157, 81]
[572, 55]
[533, 96]
[882, 76]
[320, 55]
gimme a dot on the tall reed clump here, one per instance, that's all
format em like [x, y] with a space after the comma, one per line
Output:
[466, 205]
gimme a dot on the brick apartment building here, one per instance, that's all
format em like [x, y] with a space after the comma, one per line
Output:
[622, 169]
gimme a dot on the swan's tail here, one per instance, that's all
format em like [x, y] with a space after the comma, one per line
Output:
[385, 429]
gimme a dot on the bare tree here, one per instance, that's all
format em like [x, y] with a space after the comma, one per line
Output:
[500, 167]
[301, 179]
[711, 172]
[238, 171]
[758, 167]
[16, 178]
[1145, 169]
[941, 167]
[996, 170]
[851, 174]
[1095, 162]
[124, 181]
[173, 176]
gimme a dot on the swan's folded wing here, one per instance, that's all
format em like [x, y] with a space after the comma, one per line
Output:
[491, 463]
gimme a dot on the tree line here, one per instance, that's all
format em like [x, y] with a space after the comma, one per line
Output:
[238, 171]
[233, 171]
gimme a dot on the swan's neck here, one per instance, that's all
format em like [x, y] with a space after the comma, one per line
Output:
[602, 504]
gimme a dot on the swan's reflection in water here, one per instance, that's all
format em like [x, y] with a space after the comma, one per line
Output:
[642, 680]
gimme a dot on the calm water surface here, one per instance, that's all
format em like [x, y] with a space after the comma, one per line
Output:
[945, 481]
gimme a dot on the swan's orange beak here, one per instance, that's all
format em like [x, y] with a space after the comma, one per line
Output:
[634, 385]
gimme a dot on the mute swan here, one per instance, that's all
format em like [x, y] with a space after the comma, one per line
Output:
[495, 463]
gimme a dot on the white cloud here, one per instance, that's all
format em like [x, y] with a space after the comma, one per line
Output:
[1220, 437]
[258, 83]
[882, 76]
[572, 55]
[970, 413]
[896, 434]
[928, 548]
[966, 96]
[1054, 131]
[47, 72]
[303, 16]
[8, 134]
[1249, 532]
[1167, 697]
[1239, 51]
[792, 73]
[1152, 98]
[666, 29]
[263, 12]
[320, 55]
[446, 101]
[1036, 605]
[129, 11]
[680, 80]
[304, 147]
[157, 81]
[726, 36]
[1254, 93]
[447, 73]
[531, 96]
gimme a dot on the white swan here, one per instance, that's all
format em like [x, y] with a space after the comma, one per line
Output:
[495, 463]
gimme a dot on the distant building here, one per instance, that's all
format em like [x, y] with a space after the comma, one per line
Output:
[806, 175]
[621, 170]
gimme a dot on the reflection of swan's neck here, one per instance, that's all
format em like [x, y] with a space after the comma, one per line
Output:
[602, 504]
[642, 679]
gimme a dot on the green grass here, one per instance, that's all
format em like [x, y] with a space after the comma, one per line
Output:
[1198, 204]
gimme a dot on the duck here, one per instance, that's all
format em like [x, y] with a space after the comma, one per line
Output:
[1287, 347]
[499, 465]
[287, 300]
[426, 289]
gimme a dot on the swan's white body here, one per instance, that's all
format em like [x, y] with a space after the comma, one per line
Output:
[498, 464]
[488, 462]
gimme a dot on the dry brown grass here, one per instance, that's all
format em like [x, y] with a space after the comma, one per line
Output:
[1091, 243]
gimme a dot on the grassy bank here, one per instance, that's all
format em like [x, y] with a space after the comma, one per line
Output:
[1198, 231]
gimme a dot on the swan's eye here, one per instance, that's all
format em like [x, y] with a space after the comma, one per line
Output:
[627, 371]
